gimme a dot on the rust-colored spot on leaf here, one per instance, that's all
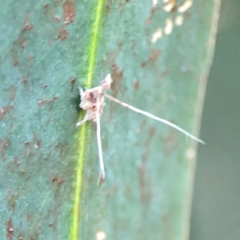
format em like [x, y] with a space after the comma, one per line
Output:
[136, 85]
[62, 33]
[26, 143]
[69, 10]
[164, 73]
[46, 8]
[36, 141]
[73, 81]
[154, 55]
[57, 18]
[117, 77]
[108, 5]
[11, 92]
[4, 144]
[145, 192]
[111, 191]
[12, 200]
[16, 161]
[25, 80]
[148, 21]
[42, 102]
[152, 10]
[151, 131]
[5, 110]
[14, 57]
[10, 229]
[170, 143]
[57, 180]
[48, 102]
[27, 26]
[30, 58]
[143, 64]
[29, 217]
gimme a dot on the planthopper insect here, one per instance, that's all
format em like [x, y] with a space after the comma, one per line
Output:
[93, 101]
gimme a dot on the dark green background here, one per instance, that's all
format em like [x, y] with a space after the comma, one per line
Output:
[216, 202]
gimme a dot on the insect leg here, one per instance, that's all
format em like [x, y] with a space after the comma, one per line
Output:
[99, 143]
[82, 121]
[154, 117]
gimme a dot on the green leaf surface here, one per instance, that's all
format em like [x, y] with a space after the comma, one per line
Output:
[49, 169]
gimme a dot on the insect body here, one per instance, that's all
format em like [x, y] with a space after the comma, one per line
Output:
[93, 101]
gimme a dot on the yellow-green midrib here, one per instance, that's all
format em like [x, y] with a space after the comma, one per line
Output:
[82, 135]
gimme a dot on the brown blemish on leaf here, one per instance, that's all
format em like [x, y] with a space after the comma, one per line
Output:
[10, 229]
[29, 217]
[26, 151]
[5, 110]
[44, 85]
[120, 46]
[16, 161]
[30, 58]
[54, 98]
[14, 57]
[144, 182]
[23, 43]
[27, 26]
[36, 141]
[53, 225]
[57, 180]
[63, 148]
[50, 42]
[152, 12]
[62, 33]
[136, 85]
[26, 144]
[154, 55]
[4, 144]
[22, 172]
[164, 73]
[170, 143]
[108, 5]
[42, 102]
[117, 77]
[148, 21]
[151, 131]
[133, 45]
[111, 192]
[69, 10]
[48, 13]
[48, 102]
[143, 123]
[57, 18]
[145, 192]
[20, 42]
[152, 58]
[73, 81]
[11, 92]
[46, 9]
[12, 199]
[58, 200]
[25, 80]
